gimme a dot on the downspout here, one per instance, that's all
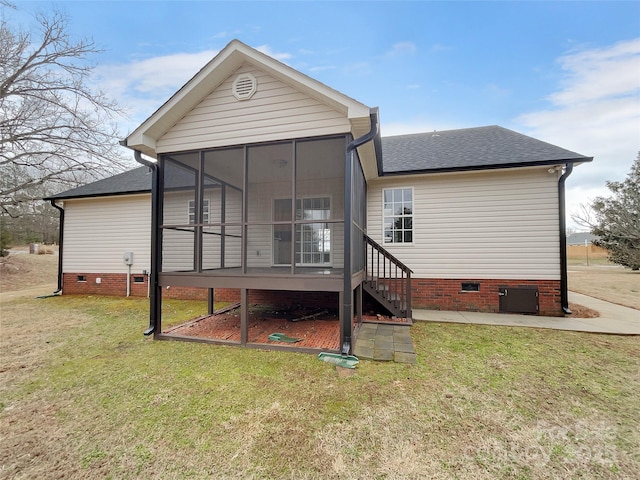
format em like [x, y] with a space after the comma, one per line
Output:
[564, 288]
[347, 307]
[153, 275]
[60, 240]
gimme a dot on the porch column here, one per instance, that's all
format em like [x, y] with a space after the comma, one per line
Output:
[244, 316]
[210, 302]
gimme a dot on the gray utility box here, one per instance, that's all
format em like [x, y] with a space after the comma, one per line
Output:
[519, 299]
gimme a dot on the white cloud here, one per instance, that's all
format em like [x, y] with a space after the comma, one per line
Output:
[596, 112]
[322, 68]
[141, 86]
[278, 56]
[600, 73]
[402, 48]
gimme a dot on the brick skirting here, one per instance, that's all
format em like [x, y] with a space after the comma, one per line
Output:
[112, 284]
[446, 294]
[432, 294]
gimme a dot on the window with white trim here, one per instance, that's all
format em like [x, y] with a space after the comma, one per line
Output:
[192, 211]
[397, 215]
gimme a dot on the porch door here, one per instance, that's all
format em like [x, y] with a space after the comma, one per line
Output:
[282, 232]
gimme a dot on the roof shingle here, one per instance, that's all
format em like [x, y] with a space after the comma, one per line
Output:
[469, 149]
[137, 180]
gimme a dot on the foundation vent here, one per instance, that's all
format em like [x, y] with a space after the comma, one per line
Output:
[244, 86]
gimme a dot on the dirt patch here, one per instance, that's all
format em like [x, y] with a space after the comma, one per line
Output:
[578, 311]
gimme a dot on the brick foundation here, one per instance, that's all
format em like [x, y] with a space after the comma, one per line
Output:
[446, 294]
[111, 284]
[432, 294]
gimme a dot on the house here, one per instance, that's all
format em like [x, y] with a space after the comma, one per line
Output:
[268, 186]
[581, 239]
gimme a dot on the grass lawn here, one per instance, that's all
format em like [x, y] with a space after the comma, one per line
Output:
[607, 282]
[84, 395]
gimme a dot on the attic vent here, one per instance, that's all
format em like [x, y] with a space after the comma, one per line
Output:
[244, 86]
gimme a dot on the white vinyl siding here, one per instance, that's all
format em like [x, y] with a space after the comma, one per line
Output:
[498, 224]
[98, 231]
[276, 111]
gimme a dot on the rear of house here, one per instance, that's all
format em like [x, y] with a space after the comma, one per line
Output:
[268, 187]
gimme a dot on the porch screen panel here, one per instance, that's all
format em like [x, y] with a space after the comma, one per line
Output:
[232, 233]
[180, 211]
[223, 171]
[269, 176]
[319, 196]
[177, 249]
[212, 248]
[259, 246]
[358, 215]
[232, 246]
[180, 185]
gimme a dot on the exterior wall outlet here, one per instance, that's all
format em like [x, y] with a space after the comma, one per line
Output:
[98, 280]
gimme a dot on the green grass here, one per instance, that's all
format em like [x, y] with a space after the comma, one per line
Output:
[100, 400]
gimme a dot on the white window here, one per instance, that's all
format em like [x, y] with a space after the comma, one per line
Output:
[398, 215]
[313, 240]
[192, 211]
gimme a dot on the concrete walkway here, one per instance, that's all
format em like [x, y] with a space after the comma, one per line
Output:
[393, 342]
[613, 319]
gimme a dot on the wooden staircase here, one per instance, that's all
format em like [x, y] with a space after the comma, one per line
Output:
[388, 280]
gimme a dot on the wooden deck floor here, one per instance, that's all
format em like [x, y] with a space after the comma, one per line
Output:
[322, 333]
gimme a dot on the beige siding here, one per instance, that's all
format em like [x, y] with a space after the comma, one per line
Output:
[98, 231]
[498, 224]
[275, 112]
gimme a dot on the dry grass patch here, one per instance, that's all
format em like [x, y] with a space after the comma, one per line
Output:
[23, 271]
[611, 283]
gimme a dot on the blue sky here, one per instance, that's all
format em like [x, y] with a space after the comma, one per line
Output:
[564, 72]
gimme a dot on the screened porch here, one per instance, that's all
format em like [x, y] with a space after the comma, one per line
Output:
[254, 212]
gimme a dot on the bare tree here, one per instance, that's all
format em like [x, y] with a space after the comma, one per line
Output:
[56, 131]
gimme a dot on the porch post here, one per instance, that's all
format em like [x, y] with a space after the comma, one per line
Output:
[346, 296]
[210, 302]
[244, 317]
[358, 306]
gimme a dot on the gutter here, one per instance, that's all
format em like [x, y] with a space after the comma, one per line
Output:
[347, 306]
[60, 245]
[564, 288]
[153, 276]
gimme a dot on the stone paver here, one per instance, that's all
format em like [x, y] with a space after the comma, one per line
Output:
[385, 343]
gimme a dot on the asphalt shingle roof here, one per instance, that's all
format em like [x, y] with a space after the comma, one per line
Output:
[137, 180]
[450, 150]
[468, 149]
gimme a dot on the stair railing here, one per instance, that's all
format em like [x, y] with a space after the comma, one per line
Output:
[389, 277]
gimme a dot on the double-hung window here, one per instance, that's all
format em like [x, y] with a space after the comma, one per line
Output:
[398, 215]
